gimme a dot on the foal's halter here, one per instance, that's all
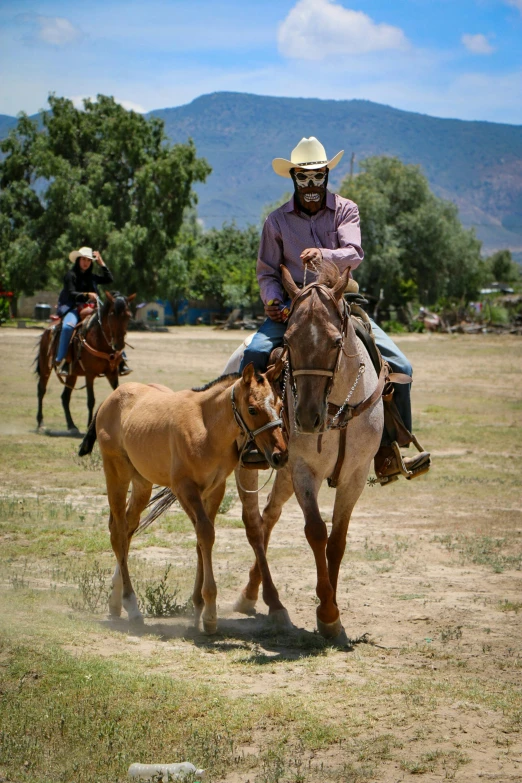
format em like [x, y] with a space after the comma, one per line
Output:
[250, 436]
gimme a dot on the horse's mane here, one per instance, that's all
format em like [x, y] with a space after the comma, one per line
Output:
[328, 274]
[226, 380]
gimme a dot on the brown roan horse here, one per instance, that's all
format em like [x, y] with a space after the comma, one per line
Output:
[185, 441]
[96, 349]
[331, 385]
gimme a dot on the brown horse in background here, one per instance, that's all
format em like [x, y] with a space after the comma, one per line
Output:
[96, 349]
[185, 441]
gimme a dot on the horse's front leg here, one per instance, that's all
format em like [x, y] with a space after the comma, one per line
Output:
[306, 486]
[190, 499]
[258, 530]
[70, 382]
[346, 496]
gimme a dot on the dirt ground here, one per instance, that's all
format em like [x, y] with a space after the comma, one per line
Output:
[430, 587]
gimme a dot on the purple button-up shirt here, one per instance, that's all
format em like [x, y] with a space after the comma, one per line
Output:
[287, 232]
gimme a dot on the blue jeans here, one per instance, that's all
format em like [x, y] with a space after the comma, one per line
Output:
[69, 321]
[270, 335]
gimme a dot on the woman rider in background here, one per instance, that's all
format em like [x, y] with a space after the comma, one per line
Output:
[80, 286]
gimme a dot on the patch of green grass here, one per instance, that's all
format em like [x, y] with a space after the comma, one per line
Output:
[484, 550]
[510, 606]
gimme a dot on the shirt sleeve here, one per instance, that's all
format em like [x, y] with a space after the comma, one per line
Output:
[350, 252]
[69, 287]
[103, 276]
[269, 262]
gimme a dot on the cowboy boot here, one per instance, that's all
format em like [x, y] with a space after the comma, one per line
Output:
[390, 464]
[124, 368]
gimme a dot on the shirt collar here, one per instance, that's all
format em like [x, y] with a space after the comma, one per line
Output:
[330, 203]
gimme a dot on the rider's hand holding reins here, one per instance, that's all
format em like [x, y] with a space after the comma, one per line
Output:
[273, 310]
[92, 296]
[311, 255]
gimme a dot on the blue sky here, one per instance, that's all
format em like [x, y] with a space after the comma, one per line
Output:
[447, 58]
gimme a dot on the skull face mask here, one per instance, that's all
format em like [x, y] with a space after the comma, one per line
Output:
[310, 188]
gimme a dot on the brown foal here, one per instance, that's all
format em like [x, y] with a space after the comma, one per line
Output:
[186, 441]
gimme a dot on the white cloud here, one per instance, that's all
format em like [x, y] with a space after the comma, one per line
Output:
[316, 29]
[477, 44]
[516, 4]
[56, 30]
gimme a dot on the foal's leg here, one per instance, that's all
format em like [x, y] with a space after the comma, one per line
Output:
[306, 486]
[66, 398]
[211, 504]
[258, 530]
[140, 496]
[190, 499]
[118, 474]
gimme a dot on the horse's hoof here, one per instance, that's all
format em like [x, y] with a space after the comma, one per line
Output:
[331, 630]
[210, 627]
[74, 432]
[281, 619]
[245, 605]
[115, 611]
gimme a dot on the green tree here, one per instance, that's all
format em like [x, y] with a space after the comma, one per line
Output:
[226, 268]
[413, 242]
[503, 268]
[103, 177]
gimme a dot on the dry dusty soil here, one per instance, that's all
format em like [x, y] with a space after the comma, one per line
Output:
[430, 587]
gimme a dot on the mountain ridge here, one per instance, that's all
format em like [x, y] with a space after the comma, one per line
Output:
[475, 164]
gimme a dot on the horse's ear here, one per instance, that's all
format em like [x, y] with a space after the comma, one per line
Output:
[291, 288]
[131, 297]
[109, 296]
[275, 371]
[248, 373]
[340, 287]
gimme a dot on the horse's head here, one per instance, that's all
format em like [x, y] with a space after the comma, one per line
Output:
[260, 408]
[115, 318]
[314, 339]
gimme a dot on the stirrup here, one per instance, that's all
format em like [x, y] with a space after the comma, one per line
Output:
[396, 465]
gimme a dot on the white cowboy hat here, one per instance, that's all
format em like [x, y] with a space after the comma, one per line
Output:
[309, 154]
[86, 252]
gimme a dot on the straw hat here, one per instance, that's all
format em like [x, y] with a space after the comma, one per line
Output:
[86, 252]
[309, 154]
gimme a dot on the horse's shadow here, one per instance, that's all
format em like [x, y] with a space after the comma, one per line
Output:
[73, 433]
[262, 642]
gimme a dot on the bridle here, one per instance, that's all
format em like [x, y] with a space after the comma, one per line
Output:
[344, 413]
[250, 436]
[115, 356]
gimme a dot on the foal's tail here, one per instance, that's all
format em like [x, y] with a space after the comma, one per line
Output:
[88, 442]
[161, 501]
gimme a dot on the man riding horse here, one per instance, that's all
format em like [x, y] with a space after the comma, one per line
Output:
[317, 225]
[80, 291]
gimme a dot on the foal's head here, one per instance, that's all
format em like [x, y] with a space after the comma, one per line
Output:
[259, 404]
[115, 317]
[314, 339]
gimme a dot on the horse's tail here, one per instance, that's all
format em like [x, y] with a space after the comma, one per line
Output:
[89, 440]
[161, 501]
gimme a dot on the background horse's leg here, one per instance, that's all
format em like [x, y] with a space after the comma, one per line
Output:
[118, 474]
[70, 382]
[258, 531]
[140, 496]
[189, 497]
[89, 382]
[44, 371]
[306, 486]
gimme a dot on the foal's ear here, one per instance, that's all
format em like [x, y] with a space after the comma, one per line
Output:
[109, 296]
[131, 297]
[275, 371]
[291, 288]
[340, 287]
[248, 373]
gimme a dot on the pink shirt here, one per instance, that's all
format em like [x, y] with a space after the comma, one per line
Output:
[287, 232]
